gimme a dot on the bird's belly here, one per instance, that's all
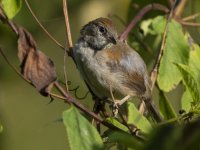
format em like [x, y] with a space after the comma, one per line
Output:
[96, 74]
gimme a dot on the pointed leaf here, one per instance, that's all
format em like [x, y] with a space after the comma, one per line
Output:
[189, 81]
[186, 100]
[11, 7]
[116, 123]
[175, 51]
[135, 118]
[194, 63]
[165, 107]
[81, 134]
[35, 65]
[194, 66]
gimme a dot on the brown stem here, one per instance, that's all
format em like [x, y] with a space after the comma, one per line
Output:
[139, 16]
[185, 23]
[71, 100]
[180, 8]
[43, 28]
[5, 20]
[194, 16]
[69, 37]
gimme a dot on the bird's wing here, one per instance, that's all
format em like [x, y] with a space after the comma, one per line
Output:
[126, 63]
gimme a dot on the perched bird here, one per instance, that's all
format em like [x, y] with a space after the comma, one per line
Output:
[110, 67]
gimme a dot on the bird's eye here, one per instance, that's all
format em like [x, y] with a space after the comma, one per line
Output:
[102, 29]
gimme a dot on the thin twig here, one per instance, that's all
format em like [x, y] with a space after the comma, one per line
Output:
[69, 37]
[71, 100]
[43, 28]
[171, 2]
[179, 8]
[57, 96]
[124, 121]
[192, 17]
[5, 19]
[68, 40]
[65, 71]
[12, 66]
[154, 72]
[185, 23]
[139, 16]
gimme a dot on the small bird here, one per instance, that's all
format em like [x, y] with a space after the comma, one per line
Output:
[110, 67]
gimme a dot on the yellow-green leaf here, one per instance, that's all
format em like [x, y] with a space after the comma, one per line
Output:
[176, 50]
[11, 7]
[135, 118]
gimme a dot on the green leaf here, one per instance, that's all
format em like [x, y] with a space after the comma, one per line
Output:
[175, 51]
[11, 7]
[157, 25]
[135, 118]
[191, 76]
[81, 134]
[194, 63]
[189, 81]
[125, 139]
[165, 107]
[186, 100]
[116, 123]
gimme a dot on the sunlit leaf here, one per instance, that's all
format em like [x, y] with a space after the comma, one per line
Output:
[189, 81]
[135, 118]
[11, 7]
[165, 107]
[81, 134]
[157, 25]
[186, 100]
[194, 62]
[175, 51]
[116, 123]
[192, 82]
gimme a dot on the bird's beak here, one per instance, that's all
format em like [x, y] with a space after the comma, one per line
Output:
[112, 40]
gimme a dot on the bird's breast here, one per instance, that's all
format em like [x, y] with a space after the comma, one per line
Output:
[93, 69]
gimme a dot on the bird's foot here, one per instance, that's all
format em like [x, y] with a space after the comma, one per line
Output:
[117, 104]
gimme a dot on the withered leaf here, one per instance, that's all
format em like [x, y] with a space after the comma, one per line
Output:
[35, 65]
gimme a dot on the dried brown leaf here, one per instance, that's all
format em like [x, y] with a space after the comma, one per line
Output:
[35, 65]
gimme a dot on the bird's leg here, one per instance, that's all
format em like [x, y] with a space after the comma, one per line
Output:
[114, 107]
[117, 103]
[122, 101]
[142, 108]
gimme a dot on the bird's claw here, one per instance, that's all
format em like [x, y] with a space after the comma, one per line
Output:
[115, 108]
